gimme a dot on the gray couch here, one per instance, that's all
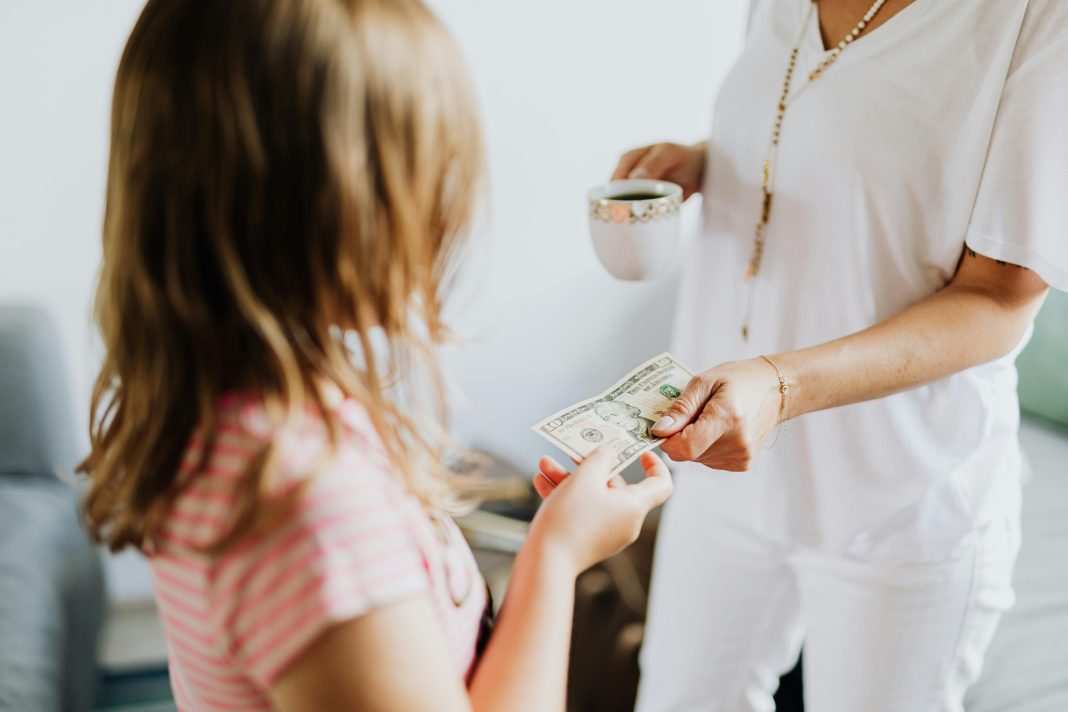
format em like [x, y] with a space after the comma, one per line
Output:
[51, 586]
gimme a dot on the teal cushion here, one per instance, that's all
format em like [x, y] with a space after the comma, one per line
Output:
[1044, 363]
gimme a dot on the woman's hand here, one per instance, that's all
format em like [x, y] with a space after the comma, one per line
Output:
[673, 162]
[591, 514]
[723, 416]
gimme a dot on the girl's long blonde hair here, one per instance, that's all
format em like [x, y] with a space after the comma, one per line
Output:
[280, 171]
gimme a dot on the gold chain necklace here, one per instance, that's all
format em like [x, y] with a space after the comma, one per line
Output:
[785, 99]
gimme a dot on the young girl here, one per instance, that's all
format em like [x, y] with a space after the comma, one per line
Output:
[286, 176]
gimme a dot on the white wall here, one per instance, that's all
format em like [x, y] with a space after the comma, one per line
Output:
[57, 64]
[564, 87]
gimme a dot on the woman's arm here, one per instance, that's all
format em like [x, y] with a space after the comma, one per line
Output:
[978, 317]
[726, 413]
[395, 658]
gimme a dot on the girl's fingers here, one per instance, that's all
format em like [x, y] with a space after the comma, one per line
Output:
[597, 465]
[657, 485]
[542, 486]
[553, 470]
[552, 473]
[653, 465]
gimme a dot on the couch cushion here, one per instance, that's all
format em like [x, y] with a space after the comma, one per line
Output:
[36, 423]
[51, 598]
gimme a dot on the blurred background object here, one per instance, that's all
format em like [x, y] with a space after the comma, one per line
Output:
[51, 585]
[1026, 667]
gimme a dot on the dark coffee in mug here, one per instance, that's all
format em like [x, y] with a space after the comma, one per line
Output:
[636, 196]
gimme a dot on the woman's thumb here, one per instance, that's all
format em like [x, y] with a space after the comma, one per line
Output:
[685, 408]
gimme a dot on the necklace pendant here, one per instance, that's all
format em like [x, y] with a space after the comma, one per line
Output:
[785, 99]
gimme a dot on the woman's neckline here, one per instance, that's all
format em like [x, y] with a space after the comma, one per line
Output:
[872, 36]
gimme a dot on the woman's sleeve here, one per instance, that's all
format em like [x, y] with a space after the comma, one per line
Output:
[346, 548]
[1021, 211]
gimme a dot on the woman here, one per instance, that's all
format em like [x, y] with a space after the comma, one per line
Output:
[882, 223]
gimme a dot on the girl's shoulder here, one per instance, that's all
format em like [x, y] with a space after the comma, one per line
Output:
[294, 468]
[346, 537]
[294, 449]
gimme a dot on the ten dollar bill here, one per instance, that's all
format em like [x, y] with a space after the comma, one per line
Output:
[622, 417]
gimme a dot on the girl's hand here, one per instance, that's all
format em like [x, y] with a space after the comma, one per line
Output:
[591, 514]
[723, 416]
[673, 162]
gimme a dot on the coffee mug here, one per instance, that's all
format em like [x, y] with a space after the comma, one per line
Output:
[635, 226]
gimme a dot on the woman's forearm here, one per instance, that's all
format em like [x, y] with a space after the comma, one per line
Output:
[725, 414]
[959, 327]
[524, 667]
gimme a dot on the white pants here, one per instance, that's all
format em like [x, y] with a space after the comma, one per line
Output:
[729, 611]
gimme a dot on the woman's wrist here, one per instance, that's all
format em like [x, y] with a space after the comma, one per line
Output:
[786, 365]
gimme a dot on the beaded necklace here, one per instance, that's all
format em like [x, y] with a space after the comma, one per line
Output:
[785, 99]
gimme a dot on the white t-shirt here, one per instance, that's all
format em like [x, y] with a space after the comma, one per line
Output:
[947, 124]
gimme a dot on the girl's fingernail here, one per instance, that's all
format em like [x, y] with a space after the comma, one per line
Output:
[639, 173]
[664, 423]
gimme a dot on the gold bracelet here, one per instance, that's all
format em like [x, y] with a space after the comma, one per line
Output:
[784, 408]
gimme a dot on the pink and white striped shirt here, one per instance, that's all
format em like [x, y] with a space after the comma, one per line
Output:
[356, 540]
